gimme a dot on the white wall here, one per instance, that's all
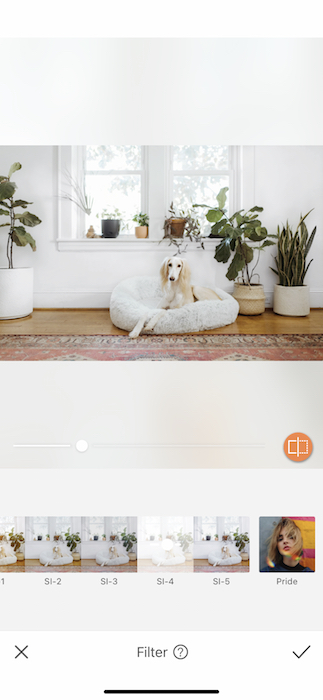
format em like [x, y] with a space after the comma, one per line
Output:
[285, 180]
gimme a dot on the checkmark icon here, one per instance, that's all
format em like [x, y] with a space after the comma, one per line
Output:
[303, 652]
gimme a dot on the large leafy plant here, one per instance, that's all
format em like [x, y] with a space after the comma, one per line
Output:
[72, 539]
[17, 221]
[292, 250]
[243, 237]
[241, 539]
[16, 540]
[185, 539]
[128, 539]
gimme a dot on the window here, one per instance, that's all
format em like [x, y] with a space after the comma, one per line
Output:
[153, 527]
[198, 173]
[211, 526]
[7, 522]
[114, 180]
[97, 527]
[141, 178]
[40, 527]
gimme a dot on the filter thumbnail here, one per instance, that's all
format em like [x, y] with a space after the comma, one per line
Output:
[221, 544]
[286, 544]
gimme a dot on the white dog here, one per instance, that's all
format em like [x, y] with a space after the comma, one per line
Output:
[177, 291]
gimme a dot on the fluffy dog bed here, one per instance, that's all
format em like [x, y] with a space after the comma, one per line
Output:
[47, 560]
[135, 296]
[172, 561]
[216, 560]
[103, 560]
[9, 558]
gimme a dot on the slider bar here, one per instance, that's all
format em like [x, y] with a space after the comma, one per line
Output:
[172, 445]
[162, 692]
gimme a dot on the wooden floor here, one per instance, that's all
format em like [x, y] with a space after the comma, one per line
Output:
[36, 562]
[98, 322]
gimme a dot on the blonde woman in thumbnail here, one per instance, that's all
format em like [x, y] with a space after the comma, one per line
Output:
[285, 548]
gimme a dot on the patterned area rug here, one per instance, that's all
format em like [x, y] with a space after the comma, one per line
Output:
[217, 570]
[12, 568]
[158, 347]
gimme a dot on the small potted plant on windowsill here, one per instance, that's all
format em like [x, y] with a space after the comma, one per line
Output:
[111, 223]
[73, 542]
[291, 295]
[96, 537]
[243, 239]
[104, 537]
[16, 283]
[241, 540]
[56, 537]
[47, 538]
[39, 538]
[141, 231]
[185, 540]
[208, 537]
[129, 540]
[182, 226]
[17, 540]
[114, 537]
[216, 537]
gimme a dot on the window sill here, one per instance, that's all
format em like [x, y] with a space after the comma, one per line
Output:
[69, 245]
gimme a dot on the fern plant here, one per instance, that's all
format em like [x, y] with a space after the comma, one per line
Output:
[292, 251]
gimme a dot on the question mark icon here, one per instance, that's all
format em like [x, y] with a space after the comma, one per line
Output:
[180, 651]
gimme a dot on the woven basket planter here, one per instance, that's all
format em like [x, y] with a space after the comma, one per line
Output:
[251, 298]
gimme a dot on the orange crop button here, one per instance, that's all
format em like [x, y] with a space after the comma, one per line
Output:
[298, 447]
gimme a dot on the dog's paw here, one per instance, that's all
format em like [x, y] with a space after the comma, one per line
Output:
[133, 334]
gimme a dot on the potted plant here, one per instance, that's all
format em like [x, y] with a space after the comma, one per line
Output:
[181, 225]
[17, 540]
[47, 538]
[241, 540]
[16, 284]
[141, 231]
[208, 536]
[104, 537]
[114, 537]
[216, 537]
[185, 540]
[111, 223]
[129, 540]
[39, 537]
[56, 537]
[243, 239]
[96, 537]
[152, 537]
[291, 295]
[73, 541]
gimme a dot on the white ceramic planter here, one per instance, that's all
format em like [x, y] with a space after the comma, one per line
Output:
[16, 292]
[291, 301]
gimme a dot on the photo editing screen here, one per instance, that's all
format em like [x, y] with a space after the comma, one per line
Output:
[161, 341]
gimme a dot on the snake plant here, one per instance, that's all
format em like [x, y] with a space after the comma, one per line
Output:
[292, 251]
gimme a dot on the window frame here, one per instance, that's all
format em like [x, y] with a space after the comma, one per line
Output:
[156, 197]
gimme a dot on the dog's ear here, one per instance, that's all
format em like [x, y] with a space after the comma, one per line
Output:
[164, 271]
[185, 274]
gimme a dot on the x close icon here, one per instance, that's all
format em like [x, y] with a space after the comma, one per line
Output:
[21, 652]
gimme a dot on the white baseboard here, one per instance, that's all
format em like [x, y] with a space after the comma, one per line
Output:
[72, 300]
[101, 300]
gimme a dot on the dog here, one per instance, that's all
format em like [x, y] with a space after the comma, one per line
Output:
[57, 553]
[225, 553]
[177, 291]
[2, 553]
[113, 553]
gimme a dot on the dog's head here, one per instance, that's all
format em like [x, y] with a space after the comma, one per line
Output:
[57, 549]
[174, 269]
